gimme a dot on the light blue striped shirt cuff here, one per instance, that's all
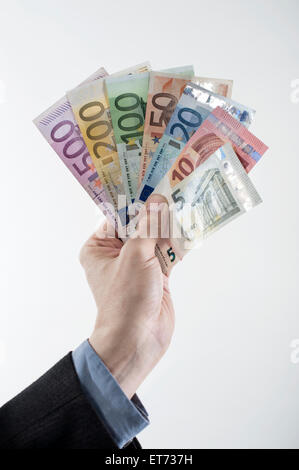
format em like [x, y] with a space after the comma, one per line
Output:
[123, 418]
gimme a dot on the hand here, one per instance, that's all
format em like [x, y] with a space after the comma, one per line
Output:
[135, 319]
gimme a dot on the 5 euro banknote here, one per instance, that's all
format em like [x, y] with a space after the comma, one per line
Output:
[217, 192]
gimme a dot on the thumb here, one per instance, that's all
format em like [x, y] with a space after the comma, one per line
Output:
[152, 225]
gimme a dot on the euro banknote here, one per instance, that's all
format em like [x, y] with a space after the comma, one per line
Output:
[219, 128]
[91, 109]
[163, 95]
[127, 100]
[193, 108]
[220, 86]
[217, 192]
[59, 127]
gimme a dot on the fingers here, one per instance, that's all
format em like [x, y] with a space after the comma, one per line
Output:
[105, 236]
[153, 224]
[106, 230]
[158, 216]
[101, 245]
[154, 219]
[102, 230]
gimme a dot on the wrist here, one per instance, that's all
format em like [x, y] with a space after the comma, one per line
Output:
[123, 358]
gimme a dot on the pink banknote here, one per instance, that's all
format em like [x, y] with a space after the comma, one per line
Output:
[218, 129]
[59, 127]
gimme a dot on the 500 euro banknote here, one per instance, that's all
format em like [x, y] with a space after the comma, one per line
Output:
[195, 104]
[59, 127]
[163, 95]
[217, 192]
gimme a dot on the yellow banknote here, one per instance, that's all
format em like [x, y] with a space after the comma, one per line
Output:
[91, 109]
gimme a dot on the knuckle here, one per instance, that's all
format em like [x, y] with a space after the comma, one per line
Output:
[83, 255]
[135, 248]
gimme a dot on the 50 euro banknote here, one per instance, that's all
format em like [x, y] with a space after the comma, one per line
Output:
[92, 112]
[194, 106]
[217, 192]
[163, 95]
[59, 127]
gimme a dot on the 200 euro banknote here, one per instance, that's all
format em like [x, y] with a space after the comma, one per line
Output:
[92, 112]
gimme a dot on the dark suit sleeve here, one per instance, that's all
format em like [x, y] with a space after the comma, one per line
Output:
[54, 413]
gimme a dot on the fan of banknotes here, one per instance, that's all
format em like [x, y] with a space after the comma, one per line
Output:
[139, 132]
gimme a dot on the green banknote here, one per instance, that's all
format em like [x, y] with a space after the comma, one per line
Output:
[127, 100]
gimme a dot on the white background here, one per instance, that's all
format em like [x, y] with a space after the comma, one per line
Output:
[227, 380]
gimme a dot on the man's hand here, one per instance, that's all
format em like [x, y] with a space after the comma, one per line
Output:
[135, 319]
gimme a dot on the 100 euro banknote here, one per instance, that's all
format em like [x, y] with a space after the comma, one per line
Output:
[59, 127]
[92, 112]
[127, 100]
[217, 192]
[163, 95]
[195, 104]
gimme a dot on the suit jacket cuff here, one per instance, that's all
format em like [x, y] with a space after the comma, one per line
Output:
[123, 418]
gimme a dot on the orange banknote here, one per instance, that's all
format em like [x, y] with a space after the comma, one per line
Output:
[163, 95]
